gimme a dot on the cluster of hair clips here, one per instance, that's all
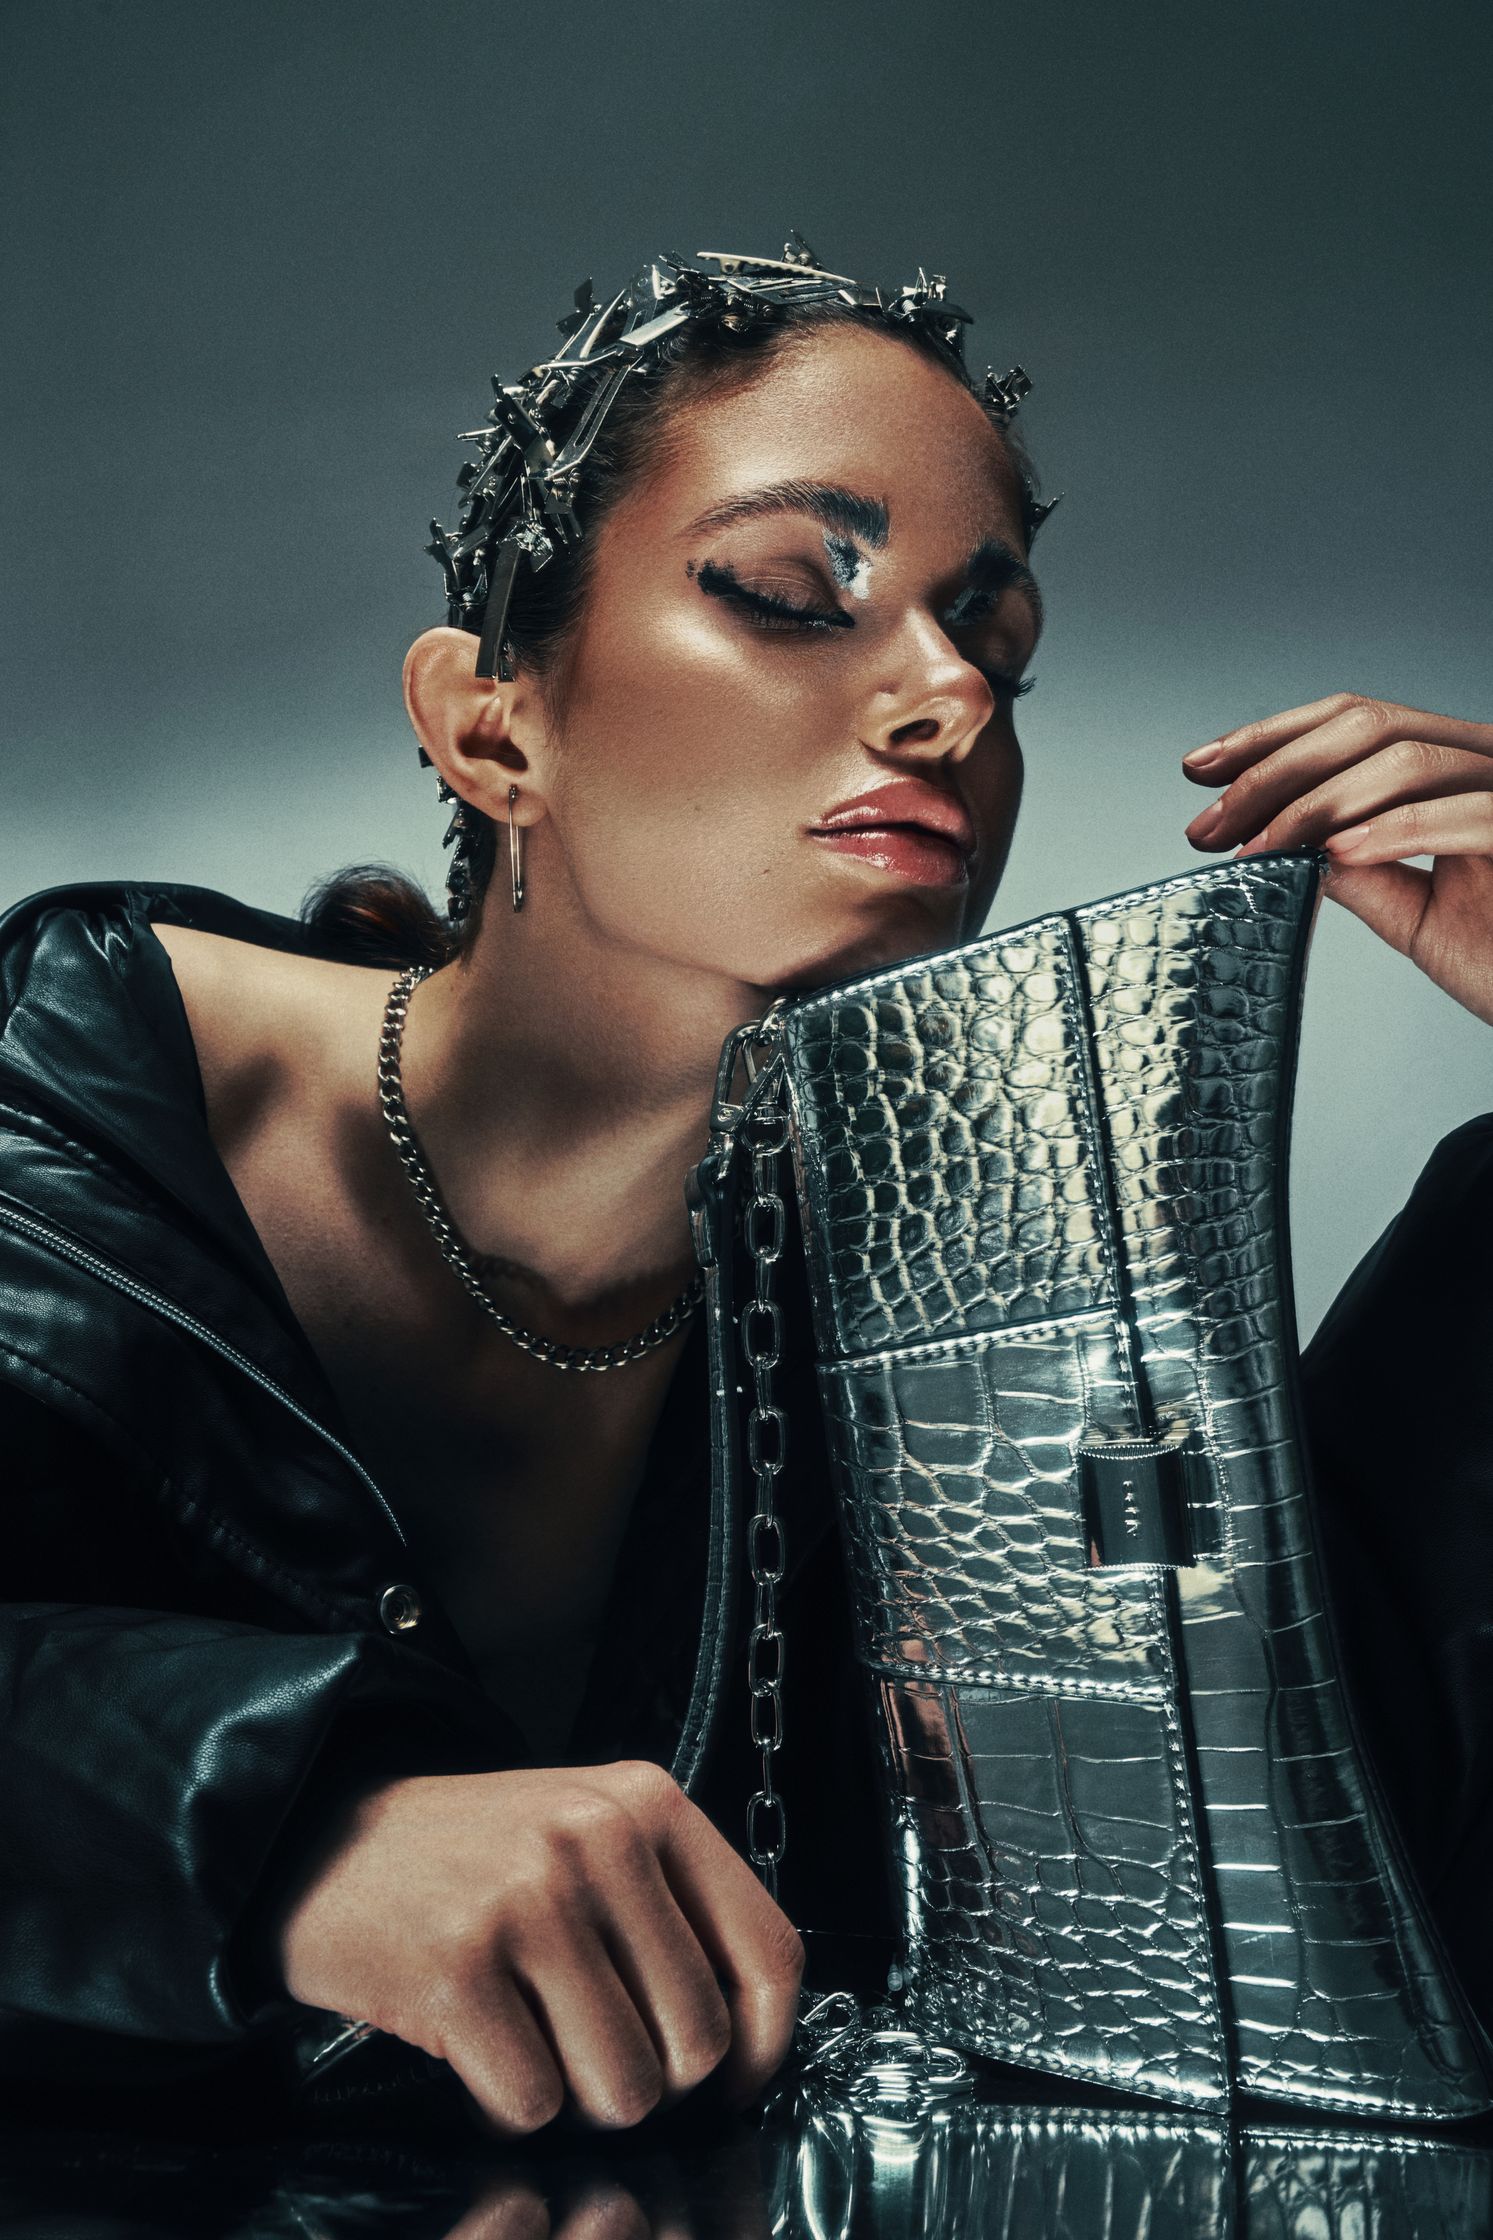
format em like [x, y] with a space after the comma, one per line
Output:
[518, 494]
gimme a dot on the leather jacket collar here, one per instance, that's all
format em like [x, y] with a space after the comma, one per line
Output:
[143, 1271]
[113, 1196]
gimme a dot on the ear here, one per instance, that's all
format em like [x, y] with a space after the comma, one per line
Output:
[481, 733]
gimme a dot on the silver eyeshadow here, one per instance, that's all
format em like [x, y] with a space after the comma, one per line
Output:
[848, 565]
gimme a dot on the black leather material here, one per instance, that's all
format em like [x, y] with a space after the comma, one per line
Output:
[1398, 1396]
[193, 1570]
[192, 1659]
[193, 1666]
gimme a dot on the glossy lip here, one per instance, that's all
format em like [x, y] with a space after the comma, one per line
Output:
[904, 802]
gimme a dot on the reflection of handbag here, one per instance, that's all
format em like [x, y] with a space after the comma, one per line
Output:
[836, 2170]
[1041, 1181]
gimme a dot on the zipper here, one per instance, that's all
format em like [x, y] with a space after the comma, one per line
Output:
[54, 1240]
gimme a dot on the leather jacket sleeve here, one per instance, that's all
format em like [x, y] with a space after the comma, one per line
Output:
[1398, 1387]
[162, 1767]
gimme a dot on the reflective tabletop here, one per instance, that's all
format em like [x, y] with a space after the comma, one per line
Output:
[1005, 2161]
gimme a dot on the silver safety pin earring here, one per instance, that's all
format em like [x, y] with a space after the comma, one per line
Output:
[515, 852]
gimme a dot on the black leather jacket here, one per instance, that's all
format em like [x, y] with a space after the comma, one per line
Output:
[205, 1627]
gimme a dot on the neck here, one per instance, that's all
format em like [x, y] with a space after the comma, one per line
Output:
[560, 1084]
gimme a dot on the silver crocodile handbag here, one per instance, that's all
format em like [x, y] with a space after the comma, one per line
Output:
[1041, 1182]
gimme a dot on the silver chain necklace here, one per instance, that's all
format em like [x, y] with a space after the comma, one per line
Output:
[454, 1252]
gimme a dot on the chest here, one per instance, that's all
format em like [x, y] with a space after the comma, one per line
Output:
[514, 1481]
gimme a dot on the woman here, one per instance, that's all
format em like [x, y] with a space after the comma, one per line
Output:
[341, 1661]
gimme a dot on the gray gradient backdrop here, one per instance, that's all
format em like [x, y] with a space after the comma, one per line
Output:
[259, 260]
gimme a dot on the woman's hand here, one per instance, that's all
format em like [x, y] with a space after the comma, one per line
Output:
[584, 1932]
[1372, 783]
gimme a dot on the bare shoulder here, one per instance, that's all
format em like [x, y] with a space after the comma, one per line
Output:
[270, 1028]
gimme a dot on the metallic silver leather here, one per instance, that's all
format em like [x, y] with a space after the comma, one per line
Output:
[834, 2172]
[1042, 1181]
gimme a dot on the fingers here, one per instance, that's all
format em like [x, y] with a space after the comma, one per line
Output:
[1324, 782]
[1233, 750]
[1372, 723]
[750, 1942]
[498, 2050]
[1412, 770]
[1460, 826]
[1439, 919]
[1336, 775]
[1260, 773]
[671, 1982]
[1391, 898]
[511, 2208]
[605, 2052]
[547, 1932]
[505, 2209]
[607, 2212]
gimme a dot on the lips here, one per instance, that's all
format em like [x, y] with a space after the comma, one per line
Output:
[909, 828]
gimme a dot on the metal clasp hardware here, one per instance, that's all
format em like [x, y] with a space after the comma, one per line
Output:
[875, 2062]
[1134, 1498]
[747, 1048]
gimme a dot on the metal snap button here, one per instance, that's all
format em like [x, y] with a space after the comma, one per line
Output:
[399, 1608]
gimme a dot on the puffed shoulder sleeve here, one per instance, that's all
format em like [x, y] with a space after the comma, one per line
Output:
[1398, 1391]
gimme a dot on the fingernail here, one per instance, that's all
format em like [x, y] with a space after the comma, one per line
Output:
[1203, 758]
[1203, 826]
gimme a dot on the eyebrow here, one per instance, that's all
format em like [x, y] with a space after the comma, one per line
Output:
[844, 511]
[991, 566]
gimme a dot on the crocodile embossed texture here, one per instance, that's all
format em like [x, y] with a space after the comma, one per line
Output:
[1009, 2173]
[1046, 1863]
[1336, 1992]
[955, 1470]
[1342, 2188]
[945, 1153]
[1031, 2173]
[1141, 1287]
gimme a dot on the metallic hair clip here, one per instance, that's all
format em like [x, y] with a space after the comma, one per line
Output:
[518, 494]
[1003, 396]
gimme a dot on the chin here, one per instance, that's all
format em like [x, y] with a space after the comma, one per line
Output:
[894, 937]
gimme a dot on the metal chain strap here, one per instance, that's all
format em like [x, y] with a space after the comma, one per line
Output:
[765, 1225]
[868, 2057]
[864, 2055]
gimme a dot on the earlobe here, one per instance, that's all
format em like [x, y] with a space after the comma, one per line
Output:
[464, 722]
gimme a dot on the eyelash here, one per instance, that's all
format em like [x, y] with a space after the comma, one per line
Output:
[770, 613]
[766, 611]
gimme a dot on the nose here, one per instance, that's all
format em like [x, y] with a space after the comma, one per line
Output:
[933, 703]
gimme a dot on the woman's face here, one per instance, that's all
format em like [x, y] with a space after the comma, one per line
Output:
[786, 751]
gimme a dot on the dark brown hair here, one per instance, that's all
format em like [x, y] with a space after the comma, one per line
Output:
[376, 913]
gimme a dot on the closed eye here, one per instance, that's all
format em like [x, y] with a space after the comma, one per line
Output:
[1001, 682]
[765, 608]
[768, 611]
